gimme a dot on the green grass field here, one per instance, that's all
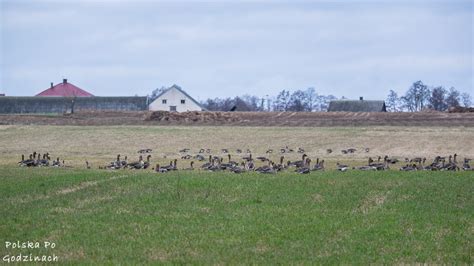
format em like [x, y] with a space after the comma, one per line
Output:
[331, 217]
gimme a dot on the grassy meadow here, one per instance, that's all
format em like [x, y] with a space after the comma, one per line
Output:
[141, 217]
[221, 218]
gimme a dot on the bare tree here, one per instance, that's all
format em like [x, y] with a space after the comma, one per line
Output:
[282, 101]
[393, 102]
[466, 99]
[454, 97]
[416, 97]
[311, 98]
[297, 102]
[438, 99]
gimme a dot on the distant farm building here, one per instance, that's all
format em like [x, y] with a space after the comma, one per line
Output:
[64, 89]
[68, 98]
[174, 99]
[360, 105]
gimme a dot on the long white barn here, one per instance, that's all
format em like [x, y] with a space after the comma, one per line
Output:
[174, 99]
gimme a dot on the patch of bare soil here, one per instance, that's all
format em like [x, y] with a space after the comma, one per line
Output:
[298, 119]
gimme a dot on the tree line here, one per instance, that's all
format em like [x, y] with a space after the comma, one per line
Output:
[420, 96]
[306, 100]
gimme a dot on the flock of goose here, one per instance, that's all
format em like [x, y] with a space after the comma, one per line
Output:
[261, 164]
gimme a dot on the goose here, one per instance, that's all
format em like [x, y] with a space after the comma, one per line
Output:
[248, 158]
[201, 151]
[300, 150]
[466, 166]
[263, 167]
[225, 151]
[370, 161]
[367, 168]
[342, 167]
[22, 159]
[225, 166]
[319, 166]
[215, 166]
[175, 165]
[186, 157]
[250, 165]
[248, 151]
[238, 169]
[136, 165]
[306, 168]
[191, 166]
[230, 160]
[42, 162]
[262, 159]
[158, 169]
[124, 162]
[57, 163]
[29, 163]
[184, 150]
[208, 164]
[344, 151]
[170, 167]
[367, 149]
[409, 167]
[328, 151]
[146, 164]
[238, 151]
[269, 151]
[351, 150]
[115, 164]
[378, 165]
[266, 169]
[280, 166]
[199, 157]
[395, 160]
[88, 165]
[208, 150]
[300, 163]
[46, 159]
[282, 150]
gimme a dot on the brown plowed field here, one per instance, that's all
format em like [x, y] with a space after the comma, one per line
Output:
[300, 119]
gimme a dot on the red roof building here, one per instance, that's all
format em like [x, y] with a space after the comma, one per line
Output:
[64, 89]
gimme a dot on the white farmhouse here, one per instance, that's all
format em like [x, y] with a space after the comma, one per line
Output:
[174, 99]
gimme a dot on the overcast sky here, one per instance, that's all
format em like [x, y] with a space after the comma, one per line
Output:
[215, 49]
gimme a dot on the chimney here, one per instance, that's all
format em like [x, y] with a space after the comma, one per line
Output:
[361, 98]
[64, 81]
[52, 85]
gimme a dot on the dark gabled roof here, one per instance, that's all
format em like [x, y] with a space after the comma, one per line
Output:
[183, 92]
[356, 106]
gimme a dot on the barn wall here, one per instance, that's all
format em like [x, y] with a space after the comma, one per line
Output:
[11, 105]
[173, 98]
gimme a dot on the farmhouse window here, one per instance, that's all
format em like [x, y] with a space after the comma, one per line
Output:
[163, 101]
[183, 101]
[172, 108]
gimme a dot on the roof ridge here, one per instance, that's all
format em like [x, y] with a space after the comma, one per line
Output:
[183, 92]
